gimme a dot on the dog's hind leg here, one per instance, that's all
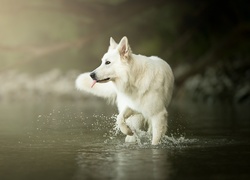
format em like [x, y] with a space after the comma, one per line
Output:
[159, 126]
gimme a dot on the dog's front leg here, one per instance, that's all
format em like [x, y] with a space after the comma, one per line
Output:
[123, 115]
[136, 122]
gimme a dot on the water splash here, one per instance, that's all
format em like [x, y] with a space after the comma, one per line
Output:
[104, 128]
[143, 139]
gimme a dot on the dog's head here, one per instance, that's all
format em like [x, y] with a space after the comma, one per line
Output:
[114, 62]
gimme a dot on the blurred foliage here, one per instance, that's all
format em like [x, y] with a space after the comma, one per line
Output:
[193, 36]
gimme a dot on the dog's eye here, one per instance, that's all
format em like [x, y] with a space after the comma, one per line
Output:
[107, 62]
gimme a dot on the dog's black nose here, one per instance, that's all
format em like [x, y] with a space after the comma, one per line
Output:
[93, 75]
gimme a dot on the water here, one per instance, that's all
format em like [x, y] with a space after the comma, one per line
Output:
[58, 139]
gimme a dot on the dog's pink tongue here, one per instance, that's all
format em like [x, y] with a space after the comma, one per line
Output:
[94, 81]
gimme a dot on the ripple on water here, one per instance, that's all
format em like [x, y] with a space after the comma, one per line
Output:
[102, 128]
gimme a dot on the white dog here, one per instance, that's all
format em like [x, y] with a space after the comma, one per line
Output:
[142, 87]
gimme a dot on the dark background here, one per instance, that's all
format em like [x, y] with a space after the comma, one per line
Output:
[205, 42]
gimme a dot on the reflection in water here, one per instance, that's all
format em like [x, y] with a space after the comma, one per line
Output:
[76, 140]
[123, 163]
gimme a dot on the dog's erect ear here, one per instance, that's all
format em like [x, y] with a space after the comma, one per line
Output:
[112, 43]
[124, 48]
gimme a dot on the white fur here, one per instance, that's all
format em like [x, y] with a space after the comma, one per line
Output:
[142, 87]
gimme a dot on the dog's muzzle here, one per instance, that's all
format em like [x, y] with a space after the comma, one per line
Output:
[93, 75]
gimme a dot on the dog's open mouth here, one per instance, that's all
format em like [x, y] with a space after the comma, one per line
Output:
[99, 81]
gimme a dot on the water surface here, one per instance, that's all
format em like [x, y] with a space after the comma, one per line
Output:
[53, 139]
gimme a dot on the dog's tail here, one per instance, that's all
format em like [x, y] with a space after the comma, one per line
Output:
[105, 90]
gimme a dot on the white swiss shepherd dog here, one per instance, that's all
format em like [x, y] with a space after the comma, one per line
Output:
[141, 87]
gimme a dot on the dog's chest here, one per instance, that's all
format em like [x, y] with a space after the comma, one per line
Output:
[124, 101]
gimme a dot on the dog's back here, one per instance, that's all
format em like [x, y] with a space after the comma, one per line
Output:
[157, 76]
[168, 79]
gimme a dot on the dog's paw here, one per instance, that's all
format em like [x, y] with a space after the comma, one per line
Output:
[125, 129]
[130, 139]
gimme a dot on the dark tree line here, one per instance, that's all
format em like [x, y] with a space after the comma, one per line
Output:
[197, 35]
